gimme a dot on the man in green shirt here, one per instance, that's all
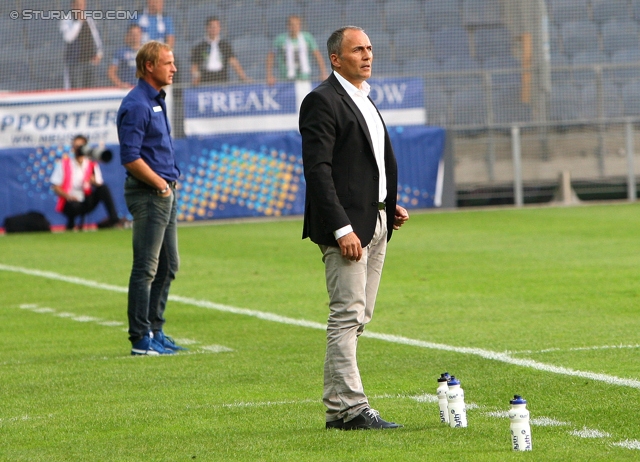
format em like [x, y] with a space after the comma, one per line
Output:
[292, 52]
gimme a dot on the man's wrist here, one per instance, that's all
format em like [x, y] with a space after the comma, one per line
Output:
[160, 192]
[338, 233]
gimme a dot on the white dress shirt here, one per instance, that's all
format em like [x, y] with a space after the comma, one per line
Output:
[376, 131]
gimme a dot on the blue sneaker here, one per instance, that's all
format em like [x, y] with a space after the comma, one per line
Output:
[147, 346]
[167, 342]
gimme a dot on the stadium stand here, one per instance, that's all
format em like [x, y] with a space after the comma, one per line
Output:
[451, 43]
[606, 10]
[492, 42]
[569, 10]
[578, 36]
[439, 14]
[481, 13]
[457, 46]
[585, 76]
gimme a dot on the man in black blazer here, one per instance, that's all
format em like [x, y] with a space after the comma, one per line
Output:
[350, 212]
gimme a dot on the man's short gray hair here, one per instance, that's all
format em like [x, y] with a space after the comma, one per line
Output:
[334, 42]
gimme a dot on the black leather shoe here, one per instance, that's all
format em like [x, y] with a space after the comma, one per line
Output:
[369, 419]
[339, 424]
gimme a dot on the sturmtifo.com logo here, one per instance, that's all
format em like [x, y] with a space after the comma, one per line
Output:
[75, 15]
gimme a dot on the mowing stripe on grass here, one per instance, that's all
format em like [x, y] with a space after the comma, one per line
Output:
[486, 354]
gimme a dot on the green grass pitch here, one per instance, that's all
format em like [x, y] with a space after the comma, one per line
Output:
[541, 302]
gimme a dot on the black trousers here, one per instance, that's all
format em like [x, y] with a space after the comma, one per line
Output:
[73, 209]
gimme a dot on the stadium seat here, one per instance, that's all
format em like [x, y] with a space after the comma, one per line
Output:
[437, 106]
[620, 34]
[560, 69]
[12, 33]
[323, 16]
[623, 75]
[244, 18]
[410, 44]
[579, 36]
[555, 44]
[15, 74]
[421, 67]
[508, 107]
[40, 33]
[361, 13]
[635, 9]
[503, 71]
[381, 42]
[462, 73]
[569, 10]
[565, 103]
[481, 12]
[404, 15]
[606, 10]
[251, 50]
[492, 42]
[612, 106]
[439, 14]
[469, 107]
[450, 42]
[386, 67]
[631, 99]
[587, 58]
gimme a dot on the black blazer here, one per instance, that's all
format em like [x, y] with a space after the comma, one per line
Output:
[340, 168]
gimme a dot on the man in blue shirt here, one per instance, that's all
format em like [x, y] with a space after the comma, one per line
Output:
[156, 25]
[146, 151]
[122, 71]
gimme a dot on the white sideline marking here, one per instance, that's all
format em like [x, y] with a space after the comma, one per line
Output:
[426, 398]
[46, 310]
[547, 422]
[486, 354]
[628, 444]
[498, 414]
[216, 348]
[590, 348]
[589, 433]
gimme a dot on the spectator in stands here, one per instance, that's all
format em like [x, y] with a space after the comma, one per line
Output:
[79, 186]
[122, 71]
[83, 50]
[210, 59]
[292, 51]
[155, 25]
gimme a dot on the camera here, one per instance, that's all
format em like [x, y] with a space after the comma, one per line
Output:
[96, 153]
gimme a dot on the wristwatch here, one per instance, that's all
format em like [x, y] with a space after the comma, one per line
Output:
[160, 193]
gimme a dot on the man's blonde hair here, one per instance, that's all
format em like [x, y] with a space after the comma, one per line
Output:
[150, 51]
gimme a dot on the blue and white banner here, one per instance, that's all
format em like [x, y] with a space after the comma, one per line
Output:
[223, 176]
[47, 118]
[261, 108]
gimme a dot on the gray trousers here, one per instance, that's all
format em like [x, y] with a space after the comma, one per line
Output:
[352, 288]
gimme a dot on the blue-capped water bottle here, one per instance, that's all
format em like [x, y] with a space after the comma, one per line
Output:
[456, 406]
[441, 393]
[520, 428]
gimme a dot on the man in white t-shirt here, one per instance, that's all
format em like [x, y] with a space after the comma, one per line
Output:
[79, 186]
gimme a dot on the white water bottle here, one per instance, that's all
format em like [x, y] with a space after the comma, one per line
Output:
[456, 406]
[441, 392]
[520, 428]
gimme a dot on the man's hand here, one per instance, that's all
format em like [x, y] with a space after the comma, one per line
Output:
[401, 217]
[350, 247]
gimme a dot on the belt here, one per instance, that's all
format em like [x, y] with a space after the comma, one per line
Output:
[381, 205]
[172, 184]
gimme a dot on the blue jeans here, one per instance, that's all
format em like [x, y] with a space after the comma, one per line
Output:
[155, 256]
